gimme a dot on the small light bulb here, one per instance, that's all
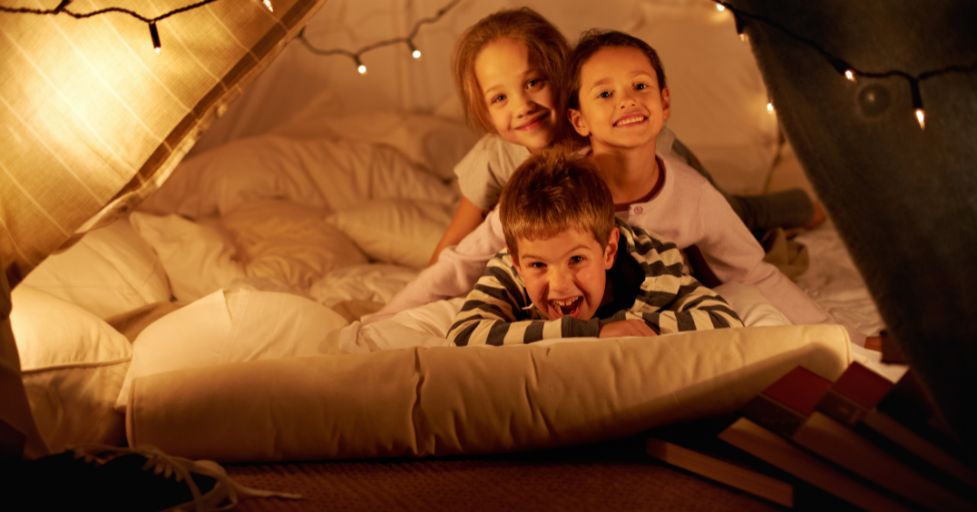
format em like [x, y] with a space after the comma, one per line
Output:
[720, 7]
[850, 75]
[921, 118]
[770, 107]
[416, 54]
[361, 69]
[267, 3]
[154, 35]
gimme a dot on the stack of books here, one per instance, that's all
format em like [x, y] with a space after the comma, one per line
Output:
[862, 439]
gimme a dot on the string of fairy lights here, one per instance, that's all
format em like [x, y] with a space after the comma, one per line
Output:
[408, 40]
[740, 17]
[64, 8]
[844, 68]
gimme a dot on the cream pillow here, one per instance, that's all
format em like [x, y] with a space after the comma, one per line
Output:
[197, 257]
[435, 142]
[400, 231]
[226, 327]
[110, 270]
[288, 242]
[73, 365]
[327, 172]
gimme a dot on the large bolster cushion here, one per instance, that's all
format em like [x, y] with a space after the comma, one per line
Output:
[431, 401]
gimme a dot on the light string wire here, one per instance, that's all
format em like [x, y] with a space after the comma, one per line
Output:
[63, 7]
[845, 68]
[356, 56]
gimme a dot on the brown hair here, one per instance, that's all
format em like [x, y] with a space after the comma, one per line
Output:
[593, 40]
[552, 192]
[546, 46]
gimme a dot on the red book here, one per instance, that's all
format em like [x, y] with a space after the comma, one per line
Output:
[772, 419]
[854, 399]
[788, 407]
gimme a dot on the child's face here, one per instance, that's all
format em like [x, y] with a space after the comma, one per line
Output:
[519, 99]
[565, 275]
[621, 104]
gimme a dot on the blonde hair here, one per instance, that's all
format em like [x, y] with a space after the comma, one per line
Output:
[547, 49]
[552, 192]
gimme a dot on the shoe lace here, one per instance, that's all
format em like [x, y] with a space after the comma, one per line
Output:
[224, 495]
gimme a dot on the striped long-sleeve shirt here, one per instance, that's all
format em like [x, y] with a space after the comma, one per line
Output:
[649, 281]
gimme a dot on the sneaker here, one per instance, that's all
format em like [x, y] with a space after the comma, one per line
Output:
[144, 479]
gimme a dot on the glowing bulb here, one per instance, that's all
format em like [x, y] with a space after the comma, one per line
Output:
[720, 7]
[850, 75]
[921, 118]
[268, 5]
[361, 69]
[154, 35]
[414, 52]
[770, 108]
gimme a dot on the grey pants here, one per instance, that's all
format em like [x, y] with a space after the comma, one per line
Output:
[783, 209]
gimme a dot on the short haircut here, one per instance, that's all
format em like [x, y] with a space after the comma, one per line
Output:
[552, 192]
[547, 49]
[593, 40]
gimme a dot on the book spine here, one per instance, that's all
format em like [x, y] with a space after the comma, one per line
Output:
[773, 416]
[841, 408]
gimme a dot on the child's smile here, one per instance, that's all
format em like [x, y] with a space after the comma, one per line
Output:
[630, 120]
[565, 274]
[518, 97]
[621, 104]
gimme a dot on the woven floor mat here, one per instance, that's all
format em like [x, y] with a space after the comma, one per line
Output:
[564, 481]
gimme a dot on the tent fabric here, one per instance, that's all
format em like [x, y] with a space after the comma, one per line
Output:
[95, 119]
[903, 198]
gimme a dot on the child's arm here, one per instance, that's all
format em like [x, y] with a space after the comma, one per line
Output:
[491, 312]
[481, 174]
[467, 217]
[670, 299]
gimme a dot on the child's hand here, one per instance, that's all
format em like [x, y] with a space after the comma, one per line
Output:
[631, 327]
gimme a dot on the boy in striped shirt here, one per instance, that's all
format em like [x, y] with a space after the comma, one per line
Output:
[572, 269]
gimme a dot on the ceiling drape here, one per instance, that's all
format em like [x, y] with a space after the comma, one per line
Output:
[93, 118]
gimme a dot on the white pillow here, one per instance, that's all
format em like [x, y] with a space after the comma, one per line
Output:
[73, 364]
[750, 304]
[196, 256]
[718, 99]
[398, 231]
[110, 270]
[288, 242]
[377, 282]
[423, 326]
[435, 142]
[237, 326]
[329, 173]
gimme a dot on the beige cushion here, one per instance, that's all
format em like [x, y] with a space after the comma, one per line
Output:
[235, 326]
[109, 271]
[399, 231]
[445, 400]
[73, 365]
